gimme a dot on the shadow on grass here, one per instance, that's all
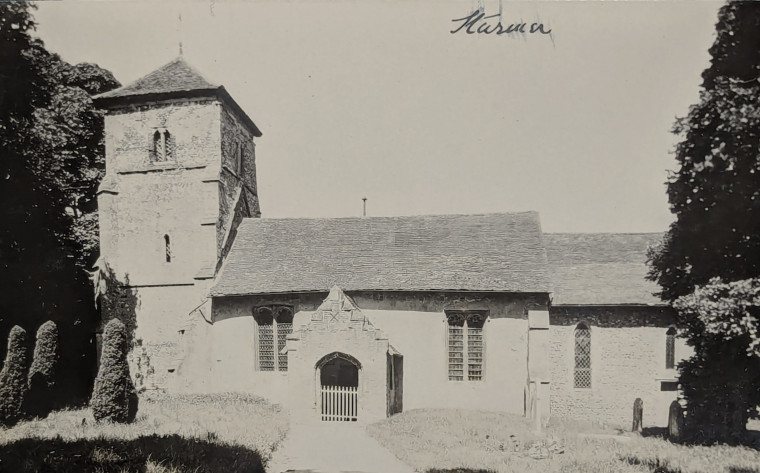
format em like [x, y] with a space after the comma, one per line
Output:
[657, 432]
[459, 470]
[750, 439]
[171, 453]
[657, 465]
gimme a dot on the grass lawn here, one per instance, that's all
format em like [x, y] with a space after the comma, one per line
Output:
[438, 440]
[172, 434]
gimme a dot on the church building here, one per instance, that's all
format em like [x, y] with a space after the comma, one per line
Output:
[356, 319]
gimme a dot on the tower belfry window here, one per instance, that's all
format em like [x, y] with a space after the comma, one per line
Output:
[163, 146]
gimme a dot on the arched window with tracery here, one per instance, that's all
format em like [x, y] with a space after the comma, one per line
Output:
[273, 324]
[582, 375]
[670, 348]
[466, 344]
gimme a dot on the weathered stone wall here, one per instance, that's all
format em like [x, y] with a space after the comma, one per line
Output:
[142, 201]
[160, 310]
[627, 362]
[415, 325]
[236, 141]
[194, 124]
[421, 337]
[369, 346]
[148, 206]
[499, 305]
[221, 357]
[234, 133]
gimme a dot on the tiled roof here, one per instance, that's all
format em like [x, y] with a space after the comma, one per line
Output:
[177, 79]
[175, 76]
[494, 252]
[600, 268]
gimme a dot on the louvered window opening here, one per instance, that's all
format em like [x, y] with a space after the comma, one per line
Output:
[274, 324]
[466, 345]
[163, 146]
[582, 357]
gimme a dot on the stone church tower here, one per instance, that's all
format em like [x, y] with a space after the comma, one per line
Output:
[180, 175]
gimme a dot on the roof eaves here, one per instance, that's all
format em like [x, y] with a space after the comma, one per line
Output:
[238, 110]
[111, 101]
[219, 93]
[621, 304]
[213, 293]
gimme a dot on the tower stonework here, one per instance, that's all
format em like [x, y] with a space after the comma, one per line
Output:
[180, 176]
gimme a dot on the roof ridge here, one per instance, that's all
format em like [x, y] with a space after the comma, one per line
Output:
[196, 70]
[490, 214]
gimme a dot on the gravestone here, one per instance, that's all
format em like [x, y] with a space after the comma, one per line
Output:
[638, 414]
[675, 421]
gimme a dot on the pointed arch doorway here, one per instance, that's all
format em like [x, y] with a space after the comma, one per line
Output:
[337, 377]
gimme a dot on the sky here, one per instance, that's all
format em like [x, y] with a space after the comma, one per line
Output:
[378, 99]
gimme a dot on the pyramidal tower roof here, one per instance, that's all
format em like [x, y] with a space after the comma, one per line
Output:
[175, 76]
[175, 80]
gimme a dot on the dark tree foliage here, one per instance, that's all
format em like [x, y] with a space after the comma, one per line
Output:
[715, 196]
[51, 160]
[13, 383]
[114, 397]
[42, 396]
[116, 298]
[721, 394]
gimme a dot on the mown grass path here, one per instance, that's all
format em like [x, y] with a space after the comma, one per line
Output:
[334, 447]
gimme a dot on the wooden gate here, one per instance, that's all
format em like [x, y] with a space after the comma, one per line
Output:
[339, 403]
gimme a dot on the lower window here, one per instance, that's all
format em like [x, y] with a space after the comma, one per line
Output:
[273, 324]
[466, 344]
[582, 375]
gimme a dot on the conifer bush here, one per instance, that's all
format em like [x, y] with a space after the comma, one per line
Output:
[13, 382]
[114, 397]
[41, 398]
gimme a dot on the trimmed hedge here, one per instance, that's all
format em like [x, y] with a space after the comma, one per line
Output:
[114, 397]
[13, 378]
[42, 397]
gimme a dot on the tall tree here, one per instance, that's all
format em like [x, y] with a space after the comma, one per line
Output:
[715, 196]
[51, 159]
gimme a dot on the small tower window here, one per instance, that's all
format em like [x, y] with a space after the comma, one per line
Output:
[670, 348]
[240, 160]
[168, 245]
[163, 146]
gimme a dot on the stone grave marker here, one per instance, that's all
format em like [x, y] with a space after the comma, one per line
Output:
[638, 414]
